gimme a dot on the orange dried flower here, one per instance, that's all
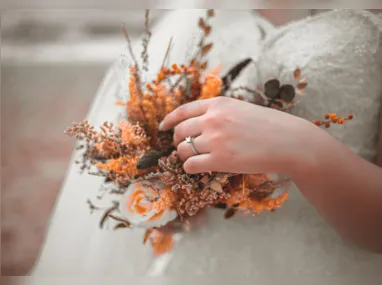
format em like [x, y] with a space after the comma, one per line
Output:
[259, 205]
[132, 84]
[166, 200]
[150, 111]
[176, 69]
[134, 109]
[133, 135]
[249, 183]
[184, 68]
[161, 242]
[124, 166]
[212, 85]
[149, 87]
[341, 121]
[161, 76]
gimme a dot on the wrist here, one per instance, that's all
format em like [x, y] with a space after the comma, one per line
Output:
[311, 151]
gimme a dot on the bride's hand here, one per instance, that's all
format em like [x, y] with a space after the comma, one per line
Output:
[238, 137]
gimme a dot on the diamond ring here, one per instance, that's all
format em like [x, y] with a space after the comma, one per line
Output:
[190, 140]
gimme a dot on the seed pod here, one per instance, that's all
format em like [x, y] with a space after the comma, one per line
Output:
[230, 213]
[150, 159]
[287, 93]
[272, 89]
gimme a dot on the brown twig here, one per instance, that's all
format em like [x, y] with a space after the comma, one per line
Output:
[101, 174]
[147, 17]
[92, 206]
[137, 69]
[146, 40]
[181, 77]
[167, 53]
[130, 48]
[117, 191]
[106, 215]
[127, 223]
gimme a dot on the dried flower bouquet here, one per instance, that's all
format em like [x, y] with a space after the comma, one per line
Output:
[141, 165]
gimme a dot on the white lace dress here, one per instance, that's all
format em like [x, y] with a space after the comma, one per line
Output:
[340, 53]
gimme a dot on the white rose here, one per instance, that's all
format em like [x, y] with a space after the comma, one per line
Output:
[141, 207]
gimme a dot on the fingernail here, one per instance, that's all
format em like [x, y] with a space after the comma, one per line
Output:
[161, 126]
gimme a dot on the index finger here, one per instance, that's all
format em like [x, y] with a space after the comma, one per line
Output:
[184, 112]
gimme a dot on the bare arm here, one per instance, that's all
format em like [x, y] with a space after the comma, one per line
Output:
[346, 190]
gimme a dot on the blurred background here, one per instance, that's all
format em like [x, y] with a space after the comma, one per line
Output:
[52, 63]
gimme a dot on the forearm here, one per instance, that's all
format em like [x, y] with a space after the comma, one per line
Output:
[345, 189]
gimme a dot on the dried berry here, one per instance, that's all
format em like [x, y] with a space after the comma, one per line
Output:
[287, 93]
[272, 89]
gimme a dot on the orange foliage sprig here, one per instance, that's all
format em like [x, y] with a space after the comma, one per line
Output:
[333, 118]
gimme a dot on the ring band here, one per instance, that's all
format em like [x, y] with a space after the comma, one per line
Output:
[190, 140]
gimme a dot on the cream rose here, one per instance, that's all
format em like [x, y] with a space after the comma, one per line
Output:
[142, 207]
[279, 190]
